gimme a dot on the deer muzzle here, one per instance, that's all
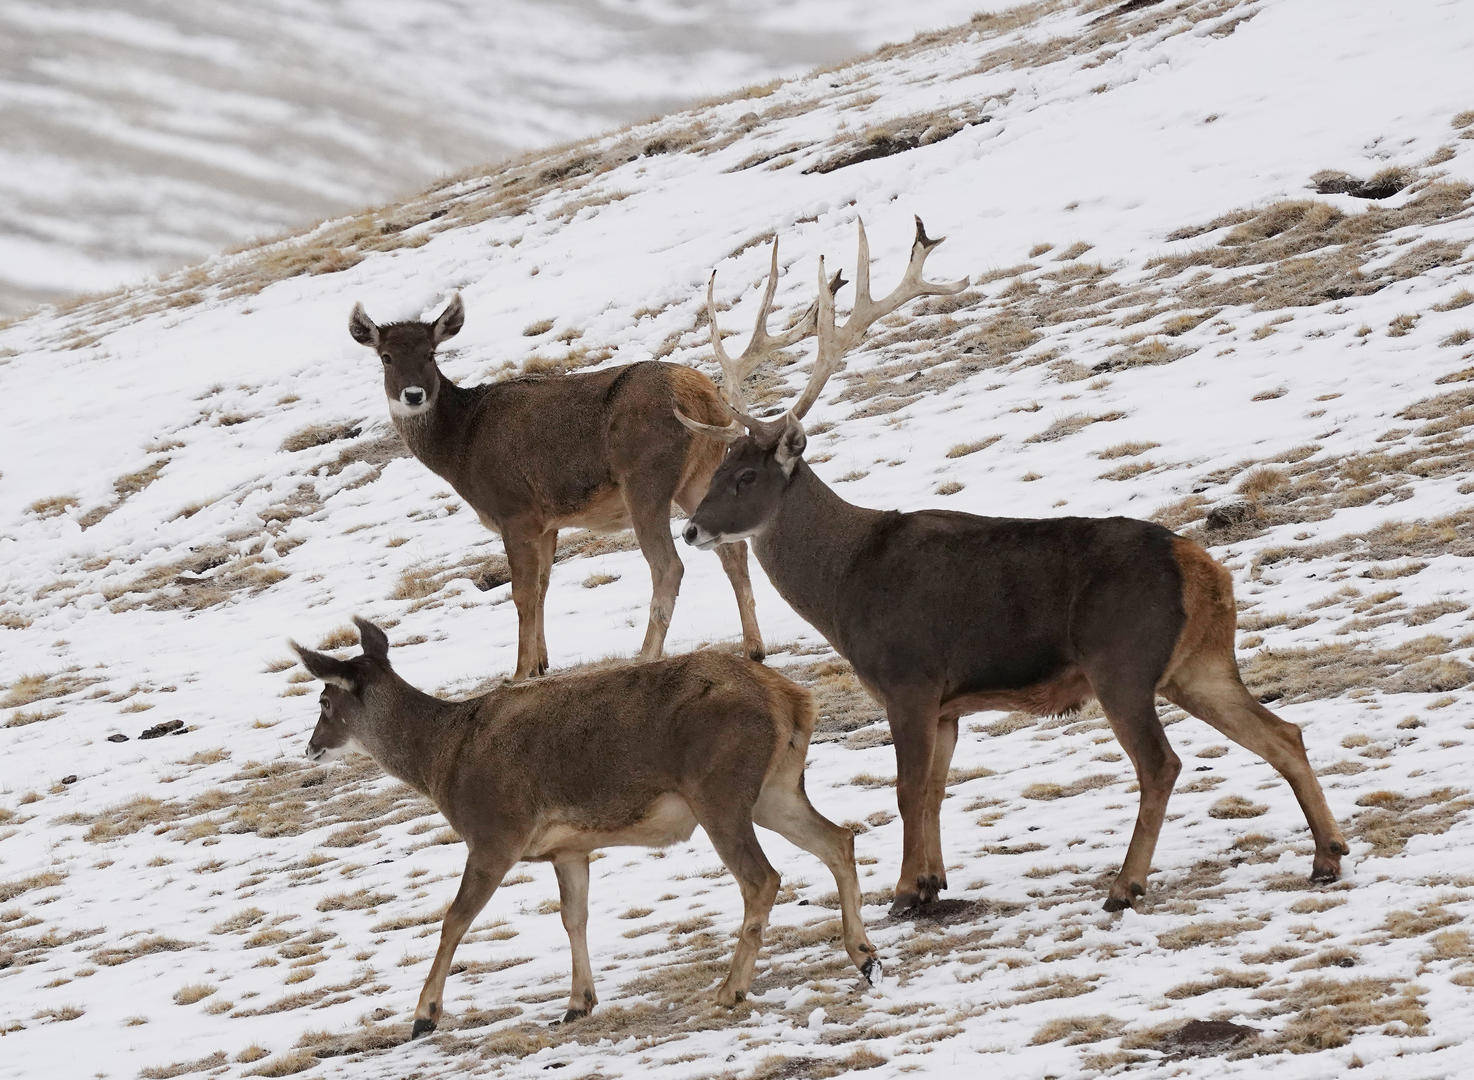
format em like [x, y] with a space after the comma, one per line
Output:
[699, 538]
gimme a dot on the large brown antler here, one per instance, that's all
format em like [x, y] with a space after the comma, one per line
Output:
[835, 341]
[761, 345]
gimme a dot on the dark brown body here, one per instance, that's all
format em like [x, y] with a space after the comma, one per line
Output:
[554, 769]
[944, 613]
[600, 450]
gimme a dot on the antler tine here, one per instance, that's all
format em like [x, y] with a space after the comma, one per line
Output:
[912, 285]
[758, 346]
[835, 341]
[827, 362]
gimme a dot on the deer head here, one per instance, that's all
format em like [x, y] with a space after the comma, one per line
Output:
[346, 702]
[762, 454]
[407, 349]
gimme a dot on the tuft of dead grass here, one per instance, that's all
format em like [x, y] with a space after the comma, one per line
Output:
[47, 879]
[1334, 668]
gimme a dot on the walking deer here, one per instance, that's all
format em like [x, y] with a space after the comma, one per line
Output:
[551, 770]
[536, 454]
[943, 613]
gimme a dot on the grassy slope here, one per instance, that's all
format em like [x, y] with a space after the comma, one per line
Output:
[1165, 320]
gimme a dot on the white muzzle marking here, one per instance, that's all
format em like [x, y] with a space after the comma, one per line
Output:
[412, 401]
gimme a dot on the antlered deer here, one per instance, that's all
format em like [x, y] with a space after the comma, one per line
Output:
[943, 613]
[536, 454]
[551, 770]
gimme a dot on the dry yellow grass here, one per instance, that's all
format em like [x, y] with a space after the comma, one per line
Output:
[194, 992]
[47, 879]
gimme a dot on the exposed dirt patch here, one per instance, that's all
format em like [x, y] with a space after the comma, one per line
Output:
[1382, 185]
[895, 138]
[1199, 1038]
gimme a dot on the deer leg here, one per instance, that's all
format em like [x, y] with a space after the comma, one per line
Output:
[914, 733]
[547, 548]
[784, 807]
[734, 562]
[936, 790]
[480, 879]
[1132, 713]
[652, 530]
[1221, 699]
[523, 561]
[573, 896]
[737, 845]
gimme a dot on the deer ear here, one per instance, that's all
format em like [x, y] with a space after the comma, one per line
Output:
[333, 672]
[362, 328]
[791, 442]
[449, 324]
[375, 641]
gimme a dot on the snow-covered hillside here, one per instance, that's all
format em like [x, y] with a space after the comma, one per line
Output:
[1166, 319]
[140, 136]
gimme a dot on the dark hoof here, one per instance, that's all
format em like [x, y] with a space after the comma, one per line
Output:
[929, 887]
[1116, 903]
[757, 654]
[904, 904]
[872, 970]
[570, 1016]
[1324, 875]
[421, 1027]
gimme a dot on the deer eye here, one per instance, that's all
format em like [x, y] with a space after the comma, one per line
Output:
[745, 477]
[386, 358]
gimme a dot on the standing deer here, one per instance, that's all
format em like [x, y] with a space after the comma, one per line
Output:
[551, 770]
[535, 454]
[943, 613]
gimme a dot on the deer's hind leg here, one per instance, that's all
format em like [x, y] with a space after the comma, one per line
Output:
[1213, 691]
[734, 563]
[651, 520]
[784, 807]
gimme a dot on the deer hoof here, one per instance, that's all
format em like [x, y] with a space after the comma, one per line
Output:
[1325, 873]
[421, 1027]
[570, 1016]
[872, 971]
[1121, 897]
[929, 886]
[757, 654]
[904, 904]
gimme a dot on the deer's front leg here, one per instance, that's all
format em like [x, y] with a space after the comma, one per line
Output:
[914, 732]
[483, 873]
[524, 557]
[573, 898]
[935, 870]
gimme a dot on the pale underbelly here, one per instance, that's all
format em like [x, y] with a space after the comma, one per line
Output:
[668, 820]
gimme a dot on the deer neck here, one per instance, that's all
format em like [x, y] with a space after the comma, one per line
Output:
[414, 729]
[810, 546]
[437, 435]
